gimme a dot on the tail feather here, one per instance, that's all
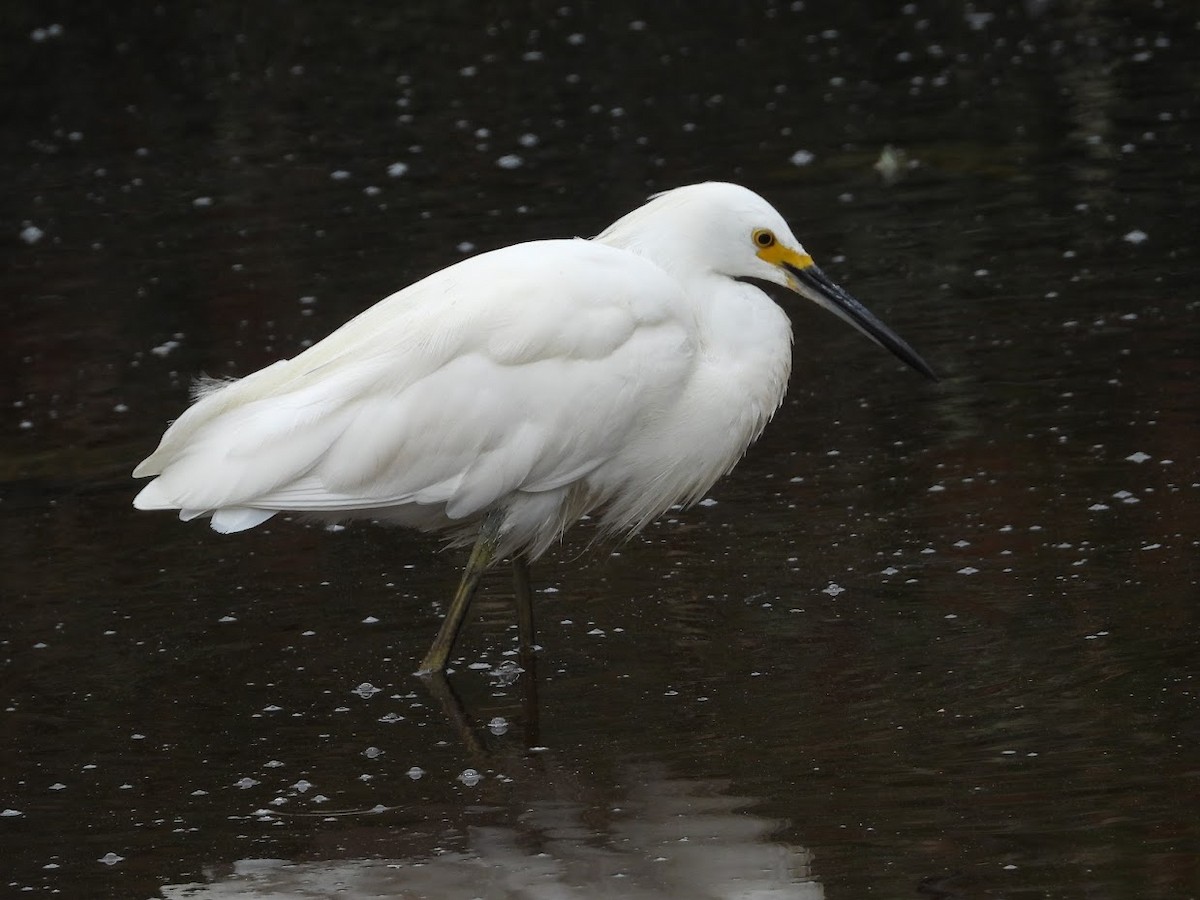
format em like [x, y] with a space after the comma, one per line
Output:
[226, 520]
[152, 496]
[239, 518]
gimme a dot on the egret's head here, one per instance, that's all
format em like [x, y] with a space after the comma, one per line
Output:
[714, 227]
[727, 230]
[734, 232]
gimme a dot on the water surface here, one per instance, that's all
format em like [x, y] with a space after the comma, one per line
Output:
[927, 640]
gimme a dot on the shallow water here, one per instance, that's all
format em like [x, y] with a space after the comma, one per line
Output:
[927, 640]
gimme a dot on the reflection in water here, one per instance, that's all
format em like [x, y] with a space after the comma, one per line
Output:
[669, 838]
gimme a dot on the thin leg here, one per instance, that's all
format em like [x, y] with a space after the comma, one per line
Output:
[481, 557]
[524, 600]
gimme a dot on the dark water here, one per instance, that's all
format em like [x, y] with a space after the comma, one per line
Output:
[930, 640]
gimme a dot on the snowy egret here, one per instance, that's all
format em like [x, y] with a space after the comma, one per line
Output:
[501, 399]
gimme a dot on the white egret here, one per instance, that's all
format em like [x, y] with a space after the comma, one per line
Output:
[501, 399]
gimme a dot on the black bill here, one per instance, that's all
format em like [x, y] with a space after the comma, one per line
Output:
[815, 285]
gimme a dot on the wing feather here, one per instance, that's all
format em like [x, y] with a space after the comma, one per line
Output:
[519, 370]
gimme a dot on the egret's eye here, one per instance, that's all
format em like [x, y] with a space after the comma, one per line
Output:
[764, 238]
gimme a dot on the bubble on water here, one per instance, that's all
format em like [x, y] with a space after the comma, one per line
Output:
[366, 690]
[1138, 457]
[1137, 236]
[111, 859]
[339, 175]
[10, 813]
[415, 773]
[372, 753]
[802, 157]
[967, 570]
[246, 783]
[833, 589]
[31, 234]
[202, 202]
[470, 777]
[397, 169]
[302, 786]
[498, 725]
[44, 34]
[506, 673]
[510, 161]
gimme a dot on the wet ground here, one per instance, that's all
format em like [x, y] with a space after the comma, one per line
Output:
[927, 641]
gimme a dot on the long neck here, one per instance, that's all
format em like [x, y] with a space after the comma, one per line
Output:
[740, 325]
[736, 325]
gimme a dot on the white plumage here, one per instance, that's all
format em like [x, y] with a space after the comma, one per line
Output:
[522, 387]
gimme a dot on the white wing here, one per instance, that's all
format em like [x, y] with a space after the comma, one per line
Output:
[522, 369]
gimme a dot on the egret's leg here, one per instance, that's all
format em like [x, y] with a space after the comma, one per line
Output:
[524, 600]
[481, 557]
